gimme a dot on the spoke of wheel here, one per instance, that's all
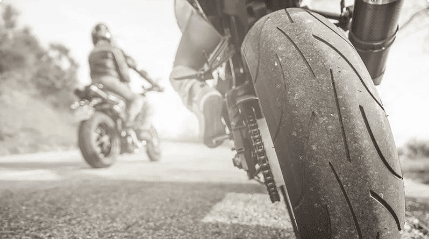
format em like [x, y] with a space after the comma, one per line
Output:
[106, 146]
[102, 140]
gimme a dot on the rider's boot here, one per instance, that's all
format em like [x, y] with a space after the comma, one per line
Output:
[207, 104]
[143, 123]
[204, 101]
[133, 110]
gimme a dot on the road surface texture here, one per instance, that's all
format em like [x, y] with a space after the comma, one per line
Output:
[194, 192]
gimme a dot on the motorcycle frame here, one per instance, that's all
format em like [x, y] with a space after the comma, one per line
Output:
[372, 41]
[111, 105]
[234, 23]
[108, 104]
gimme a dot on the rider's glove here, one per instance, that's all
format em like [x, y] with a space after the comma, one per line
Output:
[159, 88]
[143, 74]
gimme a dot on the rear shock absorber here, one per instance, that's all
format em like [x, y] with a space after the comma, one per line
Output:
[373, 31]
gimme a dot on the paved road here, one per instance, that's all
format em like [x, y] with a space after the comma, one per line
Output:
[194, 192]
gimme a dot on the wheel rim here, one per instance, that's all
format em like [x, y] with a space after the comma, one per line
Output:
[103, 140]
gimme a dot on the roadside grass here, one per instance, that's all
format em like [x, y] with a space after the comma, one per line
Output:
[29, 124]
[415, 148]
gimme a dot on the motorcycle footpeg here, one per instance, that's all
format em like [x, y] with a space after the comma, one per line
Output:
[221, 138]
[134, 139]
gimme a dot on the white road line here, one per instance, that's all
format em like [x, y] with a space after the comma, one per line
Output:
[29, 175]
[250, 210]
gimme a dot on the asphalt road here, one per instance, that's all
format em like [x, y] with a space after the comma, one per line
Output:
[194, 192]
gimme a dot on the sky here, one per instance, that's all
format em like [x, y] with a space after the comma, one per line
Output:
[147, 30]
[405, 86]
[404, 89]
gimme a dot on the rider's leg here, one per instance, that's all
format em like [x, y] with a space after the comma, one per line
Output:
[134, 108]
[134, 101]
[204, 101]
[143, 122]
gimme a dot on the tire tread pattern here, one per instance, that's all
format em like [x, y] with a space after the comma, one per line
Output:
[340, 117]
[299, 51]
[368, 127]
[352, 66]
[379, 199]
[322, 108]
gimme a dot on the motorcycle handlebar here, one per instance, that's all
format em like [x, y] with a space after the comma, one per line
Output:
[201, 76]
[152, 88]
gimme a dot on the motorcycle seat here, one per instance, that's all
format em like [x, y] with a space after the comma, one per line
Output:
[87, 93]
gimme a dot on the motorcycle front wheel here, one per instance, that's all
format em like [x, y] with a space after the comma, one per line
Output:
[329, 128]
[98, 141]
[153, 146]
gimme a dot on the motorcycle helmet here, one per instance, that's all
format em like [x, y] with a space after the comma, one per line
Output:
[100, 31]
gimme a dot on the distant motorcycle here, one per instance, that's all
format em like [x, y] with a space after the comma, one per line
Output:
[102, 134]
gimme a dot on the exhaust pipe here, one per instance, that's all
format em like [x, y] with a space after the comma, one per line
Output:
[373, 31]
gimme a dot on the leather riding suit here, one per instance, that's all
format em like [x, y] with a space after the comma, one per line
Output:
[199, 39]
[108, 66]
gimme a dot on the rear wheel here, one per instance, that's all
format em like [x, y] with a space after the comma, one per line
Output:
[98, 141]
[329, 128]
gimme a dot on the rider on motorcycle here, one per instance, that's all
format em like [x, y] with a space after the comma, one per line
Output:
[204, 101]
[109, 67]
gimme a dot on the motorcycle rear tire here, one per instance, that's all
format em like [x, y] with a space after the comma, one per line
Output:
[87, 141]
[153, 146]
[330, 131]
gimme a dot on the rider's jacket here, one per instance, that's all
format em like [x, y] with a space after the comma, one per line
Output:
[108, 60]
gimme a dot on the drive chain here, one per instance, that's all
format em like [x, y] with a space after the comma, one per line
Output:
[259, 151]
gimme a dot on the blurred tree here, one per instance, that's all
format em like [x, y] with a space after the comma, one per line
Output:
[49, 73]
[19, 51]
[417, 148]
[10, 17]
[19, 48]
[56, 76]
